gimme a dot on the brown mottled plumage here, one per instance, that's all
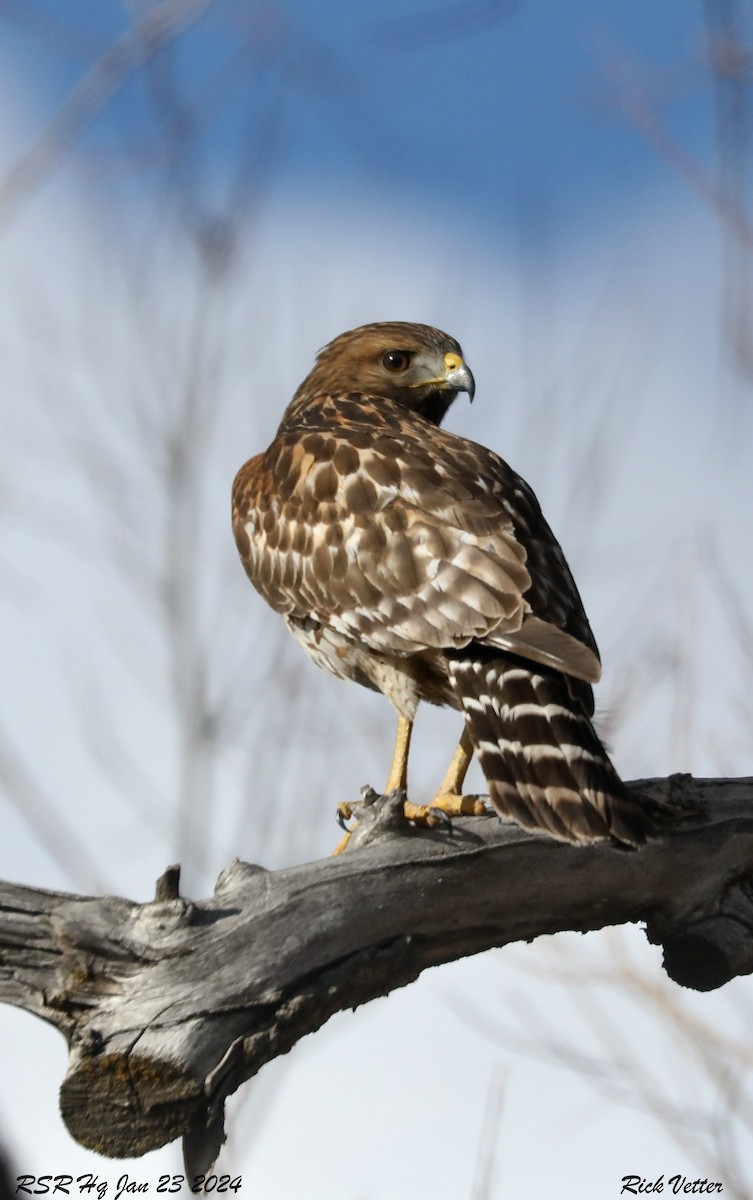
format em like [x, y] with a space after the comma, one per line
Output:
[418, 563]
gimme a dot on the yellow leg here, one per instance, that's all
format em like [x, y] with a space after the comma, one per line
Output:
[449, 797]
[346, 836]
[397, 778]
[452, 784]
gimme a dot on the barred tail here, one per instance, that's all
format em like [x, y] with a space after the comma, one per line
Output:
[543, 762]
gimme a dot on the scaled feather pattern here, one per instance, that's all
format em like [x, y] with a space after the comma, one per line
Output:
[418, 563]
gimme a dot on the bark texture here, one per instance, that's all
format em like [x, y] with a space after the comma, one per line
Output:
[168, 1007]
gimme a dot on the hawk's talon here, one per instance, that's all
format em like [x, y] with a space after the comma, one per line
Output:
[344, 813]
[440, 817]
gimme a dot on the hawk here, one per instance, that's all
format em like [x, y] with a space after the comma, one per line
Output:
[419, 564]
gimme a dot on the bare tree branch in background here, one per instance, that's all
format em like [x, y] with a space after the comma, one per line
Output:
[182, 636]
[730, 56]
[441, 22]
[55, 831]
[484, 1185]
[621, 1004]
[737, 612]
[605, 1013]
[644, 98]
[169, 376]
[162, 23]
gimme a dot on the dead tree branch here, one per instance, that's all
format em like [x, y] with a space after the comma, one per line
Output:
[168, 1007]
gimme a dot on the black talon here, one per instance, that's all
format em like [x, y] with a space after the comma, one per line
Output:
[444, 817]
[342, 822]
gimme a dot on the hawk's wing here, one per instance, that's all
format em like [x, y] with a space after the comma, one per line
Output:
[405, 537]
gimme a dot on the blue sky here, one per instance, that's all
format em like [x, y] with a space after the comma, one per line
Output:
[493, 113]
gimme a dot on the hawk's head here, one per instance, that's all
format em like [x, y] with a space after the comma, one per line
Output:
[415, 365]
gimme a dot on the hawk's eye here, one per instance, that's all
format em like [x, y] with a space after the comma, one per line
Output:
[396, 360]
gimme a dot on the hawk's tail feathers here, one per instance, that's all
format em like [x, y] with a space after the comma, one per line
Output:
[543, 762]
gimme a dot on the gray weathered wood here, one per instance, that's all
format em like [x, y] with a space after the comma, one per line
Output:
[168, 1007]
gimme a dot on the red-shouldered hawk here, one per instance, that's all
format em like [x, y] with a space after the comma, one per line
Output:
[419, 564]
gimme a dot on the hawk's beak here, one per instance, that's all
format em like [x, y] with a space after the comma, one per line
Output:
[458, 377]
